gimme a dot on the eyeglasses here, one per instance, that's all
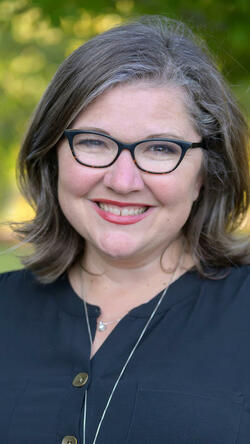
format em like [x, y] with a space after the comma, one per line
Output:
[157, 156]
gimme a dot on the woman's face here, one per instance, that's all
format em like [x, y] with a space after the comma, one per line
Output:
[130, 113]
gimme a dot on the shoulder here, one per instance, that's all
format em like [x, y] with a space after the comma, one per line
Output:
[231, 278]
[234, 278]
[22, 294]
[230, 289]
[227, 281]
[17, 285]
[17, 282]
[11, 278]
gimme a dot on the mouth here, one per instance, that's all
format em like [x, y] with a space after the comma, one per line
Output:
[124, 213]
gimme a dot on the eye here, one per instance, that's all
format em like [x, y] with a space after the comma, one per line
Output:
[160, 149]
[90, 142]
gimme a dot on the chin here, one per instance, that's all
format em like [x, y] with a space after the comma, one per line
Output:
[117, 246]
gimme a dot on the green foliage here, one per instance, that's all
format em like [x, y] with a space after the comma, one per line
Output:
[224, 23]
[8, 258]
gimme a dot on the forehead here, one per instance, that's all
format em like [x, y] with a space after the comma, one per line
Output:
[139, 108]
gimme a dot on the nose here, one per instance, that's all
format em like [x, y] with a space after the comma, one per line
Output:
[123, 176]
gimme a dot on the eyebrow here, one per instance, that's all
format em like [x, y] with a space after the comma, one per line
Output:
[150, 136]
[165, 135]
[93, 128]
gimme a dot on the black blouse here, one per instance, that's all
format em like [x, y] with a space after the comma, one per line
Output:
[187, 383]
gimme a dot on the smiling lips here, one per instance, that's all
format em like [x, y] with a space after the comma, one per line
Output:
[121, 213]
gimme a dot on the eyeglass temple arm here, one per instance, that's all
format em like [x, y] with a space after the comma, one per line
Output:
[202, 144]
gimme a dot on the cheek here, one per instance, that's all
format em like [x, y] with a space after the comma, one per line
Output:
[75, 180]
[176, 189]
[73, 183]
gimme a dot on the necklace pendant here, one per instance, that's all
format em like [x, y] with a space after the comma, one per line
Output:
[101, 326]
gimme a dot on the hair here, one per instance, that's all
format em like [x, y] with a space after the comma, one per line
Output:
[160, 51]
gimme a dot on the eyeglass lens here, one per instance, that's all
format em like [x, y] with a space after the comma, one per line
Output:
[153, 156]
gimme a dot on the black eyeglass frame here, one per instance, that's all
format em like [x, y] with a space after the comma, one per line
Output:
[185, 146]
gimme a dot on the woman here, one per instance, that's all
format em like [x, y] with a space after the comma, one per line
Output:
[130, 322]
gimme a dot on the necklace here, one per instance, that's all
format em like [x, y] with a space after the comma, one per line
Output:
[129, 357]
[102, 325]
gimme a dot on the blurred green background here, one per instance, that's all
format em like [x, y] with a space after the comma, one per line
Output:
[35, 36]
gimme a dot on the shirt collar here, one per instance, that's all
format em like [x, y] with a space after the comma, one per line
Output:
[186, 285]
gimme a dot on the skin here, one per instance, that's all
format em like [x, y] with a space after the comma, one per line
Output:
[130, 253]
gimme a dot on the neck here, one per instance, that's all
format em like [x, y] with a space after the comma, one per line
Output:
[137, 266]
[123, 284]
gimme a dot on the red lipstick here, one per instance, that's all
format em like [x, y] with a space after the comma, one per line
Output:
[118, 219]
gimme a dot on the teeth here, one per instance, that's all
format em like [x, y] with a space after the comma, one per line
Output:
[122, 211]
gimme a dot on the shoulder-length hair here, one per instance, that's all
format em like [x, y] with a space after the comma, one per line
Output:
[160, 51]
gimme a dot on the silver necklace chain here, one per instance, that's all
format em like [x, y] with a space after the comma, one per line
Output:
[128, 359]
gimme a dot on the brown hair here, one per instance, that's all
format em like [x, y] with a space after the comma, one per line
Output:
[159, 50]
